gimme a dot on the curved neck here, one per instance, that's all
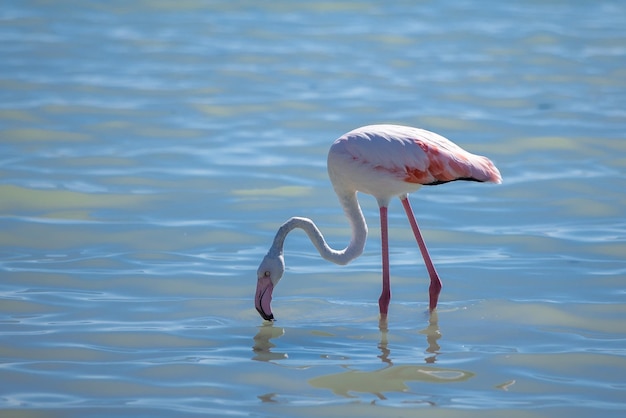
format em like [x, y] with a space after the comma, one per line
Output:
[353, 250]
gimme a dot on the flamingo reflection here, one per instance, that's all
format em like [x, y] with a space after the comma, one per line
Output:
[390, 378]
[393, 378]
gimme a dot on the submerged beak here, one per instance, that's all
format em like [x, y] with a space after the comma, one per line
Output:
[263, 298]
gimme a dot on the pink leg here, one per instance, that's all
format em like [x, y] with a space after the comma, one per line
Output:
[385, 296]
[435, 282]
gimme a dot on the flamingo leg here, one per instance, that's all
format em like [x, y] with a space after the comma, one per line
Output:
[385, 296]
[435, 283]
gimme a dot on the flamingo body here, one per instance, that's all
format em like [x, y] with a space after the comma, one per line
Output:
[389, 160]
[384, 161]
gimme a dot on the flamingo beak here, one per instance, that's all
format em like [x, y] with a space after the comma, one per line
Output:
[263, 298]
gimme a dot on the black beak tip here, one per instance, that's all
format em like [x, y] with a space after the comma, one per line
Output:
[265, 316]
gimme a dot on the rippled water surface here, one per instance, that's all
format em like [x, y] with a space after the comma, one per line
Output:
[149, 150]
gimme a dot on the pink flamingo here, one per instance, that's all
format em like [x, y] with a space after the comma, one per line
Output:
[383, 161]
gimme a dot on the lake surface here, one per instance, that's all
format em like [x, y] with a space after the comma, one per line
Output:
[149, 150]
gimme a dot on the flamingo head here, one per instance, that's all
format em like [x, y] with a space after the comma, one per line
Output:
[268, 275]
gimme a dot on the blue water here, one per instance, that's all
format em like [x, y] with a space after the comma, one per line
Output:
[150, 150]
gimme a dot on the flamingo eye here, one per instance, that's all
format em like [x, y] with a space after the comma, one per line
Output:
[266, 274]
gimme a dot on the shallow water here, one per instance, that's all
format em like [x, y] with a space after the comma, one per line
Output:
[150, 150]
